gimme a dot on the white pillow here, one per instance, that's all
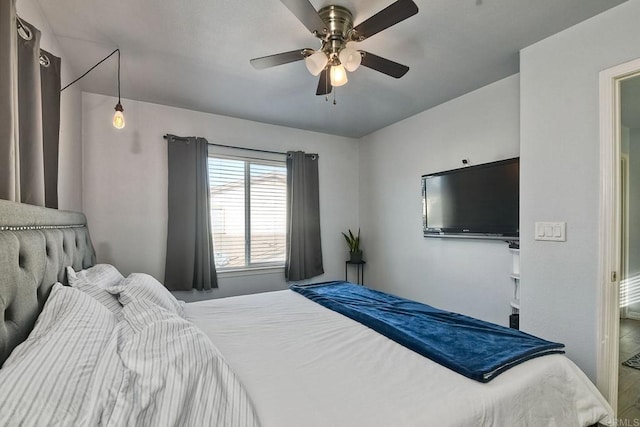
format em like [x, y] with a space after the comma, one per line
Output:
[101, 275]
[143, 286]
[49, 376]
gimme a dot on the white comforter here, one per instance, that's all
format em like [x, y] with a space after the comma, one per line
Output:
[305, 365]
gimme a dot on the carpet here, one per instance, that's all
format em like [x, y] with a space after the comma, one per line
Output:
[633, 362]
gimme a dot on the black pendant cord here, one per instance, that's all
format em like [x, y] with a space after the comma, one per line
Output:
[92, 68]
[118, 50]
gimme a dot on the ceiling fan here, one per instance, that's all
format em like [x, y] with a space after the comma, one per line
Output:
[333, 25]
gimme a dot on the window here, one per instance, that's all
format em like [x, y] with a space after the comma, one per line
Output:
[248, 212]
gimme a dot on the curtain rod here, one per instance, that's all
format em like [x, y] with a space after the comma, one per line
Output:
[231, 146]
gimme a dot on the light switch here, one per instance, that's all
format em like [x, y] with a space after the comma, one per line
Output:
[551, 231]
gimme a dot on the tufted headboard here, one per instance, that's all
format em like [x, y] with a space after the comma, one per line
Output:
[36, 244]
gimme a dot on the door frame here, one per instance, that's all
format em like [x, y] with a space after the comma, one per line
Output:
[610, 228]
[624, 229]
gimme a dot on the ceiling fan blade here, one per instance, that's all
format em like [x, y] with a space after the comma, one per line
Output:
[324, 85]
[383, 65]
[307, 14]
[279, 58]
[396, 12]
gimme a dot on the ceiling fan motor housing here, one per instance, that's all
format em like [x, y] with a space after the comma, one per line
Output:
[339, 21]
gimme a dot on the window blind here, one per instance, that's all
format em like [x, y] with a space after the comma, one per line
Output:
[248, 212]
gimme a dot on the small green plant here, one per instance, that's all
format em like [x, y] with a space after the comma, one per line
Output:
[353, 242]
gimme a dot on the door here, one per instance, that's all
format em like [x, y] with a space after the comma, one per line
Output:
[629, 335]
[615, 250]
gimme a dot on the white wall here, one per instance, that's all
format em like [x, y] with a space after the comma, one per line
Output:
[467, 276]
[125, 184]
[70, 157]
[559, 147]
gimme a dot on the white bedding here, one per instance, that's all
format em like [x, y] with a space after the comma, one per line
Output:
[84, 365]
[305, 365]
[172, 375]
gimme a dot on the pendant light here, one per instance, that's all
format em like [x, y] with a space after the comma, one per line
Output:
[118, 117]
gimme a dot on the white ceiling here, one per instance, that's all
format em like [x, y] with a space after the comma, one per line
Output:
[195, 54]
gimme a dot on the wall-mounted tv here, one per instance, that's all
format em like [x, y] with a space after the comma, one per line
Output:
[480, 201]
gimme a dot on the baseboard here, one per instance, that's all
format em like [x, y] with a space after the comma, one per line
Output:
[633, 315]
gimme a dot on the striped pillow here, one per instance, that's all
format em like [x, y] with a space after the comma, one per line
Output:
[143, 286]
[101, 275]
[99, 294]
[48, 377]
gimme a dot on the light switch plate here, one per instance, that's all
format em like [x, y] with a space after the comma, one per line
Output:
[551, 231]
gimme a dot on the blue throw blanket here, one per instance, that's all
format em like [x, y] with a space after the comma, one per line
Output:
[474, 348]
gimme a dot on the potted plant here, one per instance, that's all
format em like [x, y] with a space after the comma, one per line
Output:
[353, 242]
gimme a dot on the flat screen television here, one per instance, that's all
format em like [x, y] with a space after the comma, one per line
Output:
[479, 201]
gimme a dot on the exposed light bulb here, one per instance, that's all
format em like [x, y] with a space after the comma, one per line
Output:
[350, 58]
[338, 75]
[316, 62]
[118, 117]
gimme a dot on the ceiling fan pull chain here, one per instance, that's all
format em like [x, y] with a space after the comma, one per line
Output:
[326, 85]
[334, 95]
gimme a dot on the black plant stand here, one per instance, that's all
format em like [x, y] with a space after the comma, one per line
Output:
[359, 270]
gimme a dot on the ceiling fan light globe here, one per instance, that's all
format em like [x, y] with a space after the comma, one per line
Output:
[316, 62]
[338, 75]
[350, 58]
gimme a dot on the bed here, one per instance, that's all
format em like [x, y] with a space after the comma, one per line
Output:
[273, 359]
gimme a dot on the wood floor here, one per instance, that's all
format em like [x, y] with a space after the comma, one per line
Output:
[629, 378]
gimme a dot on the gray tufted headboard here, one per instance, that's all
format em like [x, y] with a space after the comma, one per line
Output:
[36, 244]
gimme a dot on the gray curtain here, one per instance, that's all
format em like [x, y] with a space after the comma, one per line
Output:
[9, 154]
[190, 260]
[304, 248]
[30, 108]
[50, 81]
[30, 119]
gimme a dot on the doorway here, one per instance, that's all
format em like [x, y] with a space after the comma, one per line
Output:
[619, 333]
[629, 338]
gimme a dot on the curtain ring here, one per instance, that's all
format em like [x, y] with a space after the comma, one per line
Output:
[314, 157]
[44, 60]
[23, 29]
[173, 138]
